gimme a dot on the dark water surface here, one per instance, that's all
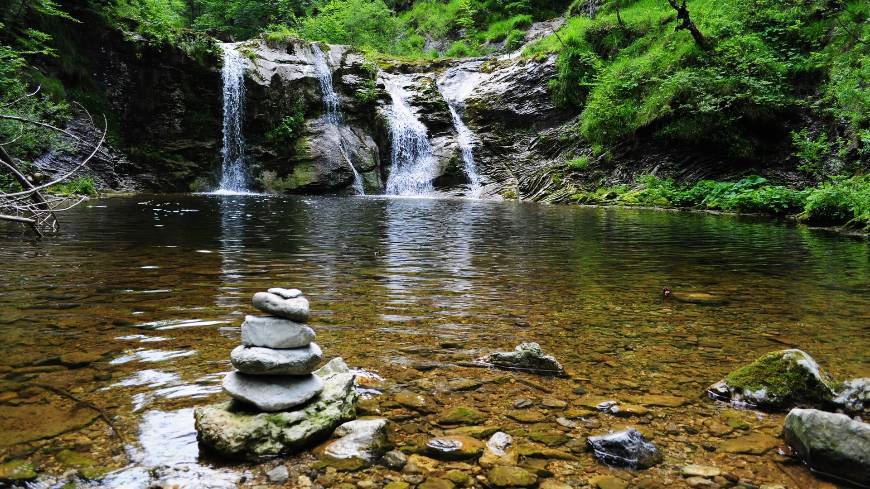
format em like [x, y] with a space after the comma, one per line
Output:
[157, 286]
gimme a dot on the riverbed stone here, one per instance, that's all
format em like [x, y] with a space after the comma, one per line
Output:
[528, 357]
[413, 400]
[361, 442]
[256, 360]
[627, 448]
[463, 415]
[394, 459]
[272, 332]
[854, 395]
[436, 483]
[17, 471]
[273, 392]
[694, 470]
[751, 444]
[507, 476]
[456, 447]
[236, 432]
[608, 482]
[295, 309]
[777, 380]
[278, 475]
[830, 443]
[499, 450]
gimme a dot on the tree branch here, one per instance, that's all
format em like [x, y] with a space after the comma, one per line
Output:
[686, 23]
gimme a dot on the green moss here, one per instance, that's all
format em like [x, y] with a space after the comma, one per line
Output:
[86, 466]
[782, 378]
[17, 470]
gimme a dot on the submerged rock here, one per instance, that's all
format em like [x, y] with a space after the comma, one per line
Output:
[295, 309]
[273, 332]
[499, 450]
[361, 443]
[17, 471]
[526, 356]
[777, 380]
[504, 476]
[255, 360]
[626, 448]
[235, 432]
[272, 393]
[751, 444]
[454, 447]
[830, 443]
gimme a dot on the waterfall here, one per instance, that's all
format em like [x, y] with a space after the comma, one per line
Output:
[331, 106]
[234, 178]
[413, 167]
[455, 86]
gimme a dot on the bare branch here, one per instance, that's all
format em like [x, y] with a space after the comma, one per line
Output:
[19, 99]
[4, 217]
[686, 23]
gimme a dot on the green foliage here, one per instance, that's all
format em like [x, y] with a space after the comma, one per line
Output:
[580, 163]
[361, 23]
[76, 186]
[368, 91]
[278, 33]
[578, 71]
[159, 19]
[811, 151]
[243, 19]
[840, 202]
[289, 129]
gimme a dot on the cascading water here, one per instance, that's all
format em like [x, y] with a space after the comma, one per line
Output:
[413, 167]
[455, 86]
[333, 112]
[234, 176]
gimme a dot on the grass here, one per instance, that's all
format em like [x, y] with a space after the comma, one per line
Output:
[76, 186]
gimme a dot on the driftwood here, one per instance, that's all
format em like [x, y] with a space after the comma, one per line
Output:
[30, 206]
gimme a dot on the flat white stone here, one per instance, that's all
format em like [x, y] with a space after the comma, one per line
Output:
[271, 332]
[285, 293]
[268, 361]
[272, 393]
[295, 309]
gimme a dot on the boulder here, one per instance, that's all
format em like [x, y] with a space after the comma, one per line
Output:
[830, 443]
[272, 393]
[626, 448]
[777, 380]
[295, 309]
[499, 450]
[361, 443]
[527, 356]
[271, 332]
[235, 432]
[455, 447]
[267, 361]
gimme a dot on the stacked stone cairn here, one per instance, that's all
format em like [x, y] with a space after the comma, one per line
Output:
[275, 361]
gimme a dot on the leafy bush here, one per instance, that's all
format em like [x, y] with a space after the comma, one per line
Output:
[159, 19]
[578, 72]
[76, 186]
[811, 152]
[290, 127]
[361, 23]
[579, 164]
[840, 202]
[278, 33]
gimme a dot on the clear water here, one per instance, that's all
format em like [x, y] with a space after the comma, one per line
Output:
[234, 173]
[332, 107]
[158, 286]
[412, 165]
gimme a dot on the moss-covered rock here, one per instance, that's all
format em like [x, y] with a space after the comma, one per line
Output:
[777, 380]
[503, 476]
[16, 471]
[461, 415]
[85, 466]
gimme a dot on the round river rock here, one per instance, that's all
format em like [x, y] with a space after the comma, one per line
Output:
[272, 393]
[256, 360]
[271, 332]
[295, 309]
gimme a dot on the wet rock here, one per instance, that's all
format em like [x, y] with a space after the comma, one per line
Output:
[418, 464]
[436, 483]
[830, 443]
[554, 403]
[235, 432]
[454, 447]
[461, 415]
[854, 395]
[458, 385]
[777, 380]
[273, 332]
[394, 459]
[696, 481]
[397, 485]
[526, 356]
[506, 476]
[660, 400]
[295, 309]
[626, 448]
[79, 359]
[267, 361]
[415, 401]
[361, 442]
[55, 417]
[608, 482]
[278, 475]
[553, 484]
[523, 403]
[458, 477]
[549, 436]
[536, 451]
[752, 444]
[526, 416]
[499, 450]
[17, 471]
[272, 393]
[700, 471]
[479, 432]
[85, 466]
[703, 298]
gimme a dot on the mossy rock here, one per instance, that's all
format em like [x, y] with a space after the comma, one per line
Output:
[461, 415]
[777, 380]
[84, 465]
[16, 471]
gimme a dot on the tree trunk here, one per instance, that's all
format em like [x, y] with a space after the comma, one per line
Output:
[686, 23]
